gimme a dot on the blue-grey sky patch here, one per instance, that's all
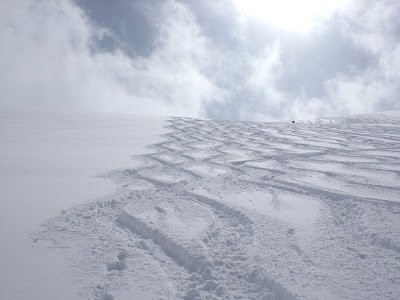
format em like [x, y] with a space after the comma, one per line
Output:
[128, 22]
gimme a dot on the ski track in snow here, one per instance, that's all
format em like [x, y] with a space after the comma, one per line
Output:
[241, 210]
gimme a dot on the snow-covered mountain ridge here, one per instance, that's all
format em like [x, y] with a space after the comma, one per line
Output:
[243, 210]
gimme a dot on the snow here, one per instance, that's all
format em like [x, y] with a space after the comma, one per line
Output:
[212, 209]
[48, 162]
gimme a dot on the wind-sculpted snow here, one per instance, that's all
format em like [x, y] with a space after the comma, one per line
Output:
[241, 210]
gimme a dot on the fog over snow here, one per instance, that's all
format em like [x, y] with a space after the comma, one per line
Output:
[49, 162]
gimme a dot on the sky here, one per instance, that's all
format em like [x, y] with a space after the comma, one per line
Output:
[256, 60]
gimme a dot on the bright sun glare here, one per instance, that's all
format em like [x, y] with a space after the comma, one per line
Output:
[290, 15]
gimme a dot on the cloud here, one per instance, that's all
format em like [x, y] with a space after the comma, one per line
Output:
[199, 61]
[375, 27]
[354, 68]
[337, 69]
[249, 80]
[48, 60]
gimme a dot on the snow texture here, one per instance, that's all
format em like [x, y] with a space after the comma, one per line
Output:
[242, 210]
[48, 163]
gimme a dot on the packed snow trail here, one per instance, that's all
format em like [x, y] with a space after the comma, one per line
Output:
[242, 210]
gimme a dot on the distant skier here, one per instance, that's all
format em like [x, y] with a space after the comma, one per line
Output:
[293, 122]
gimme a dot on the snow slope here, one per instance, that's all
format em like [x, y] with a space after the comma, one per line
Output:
[242, 210]
[48, 163]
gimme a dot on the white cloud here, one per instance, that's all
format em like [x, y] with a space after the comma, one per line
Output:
[372, 26]
[264, 71]
[47, 61]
